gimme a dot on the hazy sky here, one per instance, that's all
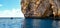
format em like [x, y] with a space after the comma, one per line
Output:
[10, 8]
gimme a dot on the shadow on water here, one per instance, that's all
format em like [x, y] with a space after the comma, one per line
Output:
[41, 23]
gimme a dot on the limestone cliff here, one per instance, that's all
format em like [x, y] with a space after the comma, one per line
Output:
[40, 8]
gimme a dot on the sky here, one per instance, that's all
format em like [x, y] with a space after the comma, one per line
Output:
[10, 8]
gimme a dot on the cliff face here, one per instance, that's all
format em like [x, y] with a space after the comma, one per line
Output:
[40, 8]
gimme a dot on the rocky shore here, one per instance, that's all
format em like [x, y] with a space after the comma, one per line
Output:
[40, 8]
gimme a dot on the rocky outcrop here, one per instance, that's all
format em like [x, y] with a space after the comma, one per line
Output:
[40, 8]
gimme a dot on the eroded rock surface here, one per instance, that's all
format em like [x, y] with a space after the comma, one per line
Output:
[40, 8]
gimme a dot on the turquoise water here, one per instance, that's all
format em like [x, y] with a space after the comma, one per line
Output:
[11, 23]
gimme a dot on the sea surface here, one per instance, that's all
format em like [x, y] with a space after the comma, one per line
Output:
[6, 22]
[28, 23]
[41, 23]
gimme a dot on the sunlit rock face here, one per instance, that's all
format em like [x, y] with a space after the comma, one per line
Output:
[40, 8]
[57, 2]
[56, 7]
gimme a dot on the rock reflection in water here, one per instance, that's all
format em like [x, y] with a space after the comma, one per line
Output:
[56, 24]
[41, 23]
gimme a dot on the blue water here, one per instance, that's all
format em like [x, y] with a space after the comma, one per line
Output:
[11, 23]
[41, 23]
[28, 23]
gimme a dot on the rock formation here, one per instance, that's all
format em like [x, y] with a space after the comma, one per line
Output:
[40, 8]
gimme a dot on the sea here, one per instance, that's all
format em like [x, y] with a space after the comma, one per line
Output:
[8, 22]
[11, 22]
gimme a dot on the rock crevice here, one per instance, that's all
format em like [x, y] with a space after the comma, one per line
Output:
[40, 8]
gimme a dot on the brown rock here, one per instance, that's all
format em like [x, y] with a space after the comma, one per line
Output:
[40, 8]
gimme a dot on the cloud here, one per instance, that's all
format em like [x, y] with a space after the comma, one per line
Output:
[11, 13]
[1, 5]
